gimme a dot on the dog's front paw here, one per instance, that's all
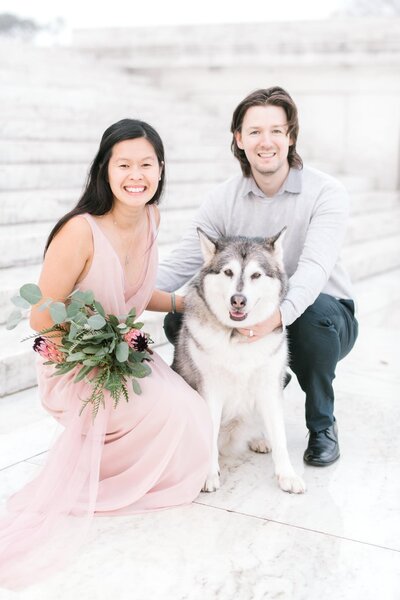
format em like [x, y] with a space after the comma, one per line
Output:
[212, 483]
[291, 483]
[259, 445]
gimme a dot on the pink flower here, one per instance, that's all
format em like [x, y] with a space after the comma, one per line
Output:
[48, 350]
[136, 340]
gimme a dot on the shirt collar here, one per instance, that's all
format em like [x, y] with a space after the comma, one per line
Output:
[292, 184]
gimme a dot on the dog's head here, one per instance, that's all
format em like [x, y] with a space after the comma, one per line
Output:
[243, 278]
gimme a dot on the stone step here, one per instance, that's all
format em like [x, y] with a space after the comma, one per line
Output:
[49, 126]
[17, 370]
[362, 259]
[51, 204]
[373, 225]
[17, 359]
[68, 151]
[23, 243]
[371, 257]
[45, 176]
[371, 201]
[34, 65]
[37, 118]
[377, 292]
[13, 278]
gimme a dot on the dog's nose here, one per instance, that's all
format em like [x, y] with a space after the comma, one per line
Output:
[238, 301]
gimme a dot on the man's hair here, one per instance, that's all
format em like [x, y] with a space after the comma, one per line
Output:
[275, 96]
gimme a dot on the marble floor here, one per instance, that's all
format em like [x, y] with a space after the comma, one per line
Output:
[250, 540]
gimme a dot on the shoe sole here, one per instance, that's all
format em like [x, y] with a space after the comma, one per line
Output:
[315, 463]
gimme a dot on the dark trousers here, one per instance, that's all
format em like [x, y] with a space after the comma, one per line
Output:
[318, 339]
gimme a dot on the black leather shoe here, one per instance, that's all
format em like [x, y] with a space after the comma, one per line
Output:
[323, 447]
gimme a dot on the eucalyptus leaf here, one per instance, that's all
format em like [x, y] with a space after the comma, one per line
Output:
[122, 352]
[20, 302]
[89, 362]
[76, 356]
[73, 330]
[90, 349]
[79, 319]
[73, 308]
[113, 320]
[58, 312]
[96, 322]
[13, 319]
[78, 297]
[136, 387]
[89, 297]
[99, 308]
[102, 352]
[31, 293]
[98, 337]
[140, 370]
[137, 357]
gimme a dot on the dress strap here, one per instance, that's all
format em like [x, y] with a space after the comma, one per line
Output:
[153, 221]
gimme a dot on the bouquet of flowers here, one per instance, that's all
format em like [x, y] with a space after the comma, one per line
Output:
[113, 350]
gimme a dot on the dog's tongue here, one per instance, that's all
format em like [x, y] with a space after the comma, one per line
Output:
[237, 316]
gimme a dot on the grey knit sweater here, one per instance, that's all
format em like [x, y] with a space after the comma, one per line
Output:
[314, 207]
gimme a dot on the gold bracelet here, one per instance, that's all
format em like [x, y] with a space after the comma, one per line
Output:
[173, 302]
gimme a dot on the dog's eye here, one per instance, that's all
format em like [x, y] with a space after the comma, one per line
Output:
[256, 275]
[228, 273]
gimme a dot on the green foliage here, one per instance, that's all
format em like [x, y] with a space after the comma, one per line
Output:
[31, 293]
[92, 343]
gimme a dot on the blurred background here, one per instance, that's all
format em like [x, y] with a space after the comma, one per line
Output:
[68, 70]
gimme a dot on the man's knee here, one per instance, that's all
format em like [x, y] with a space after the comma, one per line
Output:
[313, 338]
[172, 326]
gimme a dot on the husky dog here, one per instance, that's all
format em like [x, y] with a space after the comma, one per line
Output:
[242, 282]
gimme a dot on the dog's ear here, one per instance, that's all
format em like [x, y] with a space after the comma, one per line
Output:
[274, 245]
[207, 245]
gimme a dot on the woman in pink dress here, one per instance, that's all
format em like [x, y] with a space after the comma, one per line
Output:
[149, 453]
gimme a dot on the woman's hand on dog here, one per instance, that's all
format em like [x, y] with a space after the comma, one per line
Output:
[254, 333]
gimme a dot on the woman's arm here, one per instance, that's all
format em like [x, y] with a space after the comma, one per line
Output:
[162, 302]
[66, 261]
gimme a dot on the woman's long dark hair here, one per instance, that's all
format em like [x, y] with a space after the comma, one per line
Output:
[97, 198]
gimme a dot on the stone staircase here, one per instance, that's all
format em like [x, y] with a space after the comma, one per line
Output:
[54, 106]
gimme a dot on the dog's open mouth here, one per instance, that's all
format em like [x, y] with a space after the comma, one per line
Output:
[237, 315]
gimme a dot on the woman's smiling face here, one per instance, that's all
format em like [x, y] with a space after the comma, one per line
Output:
[133, 172]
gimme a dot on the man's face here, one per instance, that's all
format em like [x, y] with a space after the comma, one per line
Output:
[264, 139]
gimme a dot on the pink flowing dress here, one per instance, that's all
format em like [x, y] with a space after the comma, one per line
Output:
[150, 453]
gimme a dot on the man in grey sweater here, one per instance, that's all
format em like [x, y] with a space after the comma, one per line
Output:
[275, 190]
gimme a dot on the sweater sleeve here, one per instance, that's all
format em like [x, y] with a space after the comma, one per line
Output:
[320, 253]
[186, 258]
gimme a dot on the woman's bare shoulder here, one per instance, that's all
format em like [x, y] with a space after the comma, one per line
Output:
[75, 230]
